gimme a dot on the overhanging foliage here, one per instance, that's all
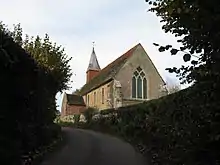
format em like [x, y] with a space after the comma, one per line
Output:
[196, 24]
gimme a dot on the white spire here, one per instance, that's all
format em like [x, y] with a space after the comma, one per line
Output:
[93, 62]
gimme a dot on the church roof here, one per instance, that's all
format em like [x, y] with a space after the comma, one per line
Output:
[93, 62]
[73, 99]
[108, 72]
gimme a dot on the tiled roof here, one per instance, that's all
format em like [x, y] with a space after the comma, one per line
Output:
[73, 99]
[93, 62]
[108, 72]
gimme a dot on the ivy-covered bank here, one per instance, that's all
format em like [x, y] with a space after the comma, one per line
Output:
[182, 128]
[27, 113]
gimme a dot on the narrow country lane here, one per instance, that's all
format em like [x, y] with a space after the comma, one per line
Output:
[85, 147]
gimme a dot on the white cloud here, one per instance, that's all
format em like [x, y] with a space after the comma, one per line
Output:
[114, 25]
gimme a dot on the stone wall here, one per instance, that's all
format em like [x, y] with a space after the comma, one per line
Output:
[154, 80]
[99, 98]
[117, 94]
[128, 102]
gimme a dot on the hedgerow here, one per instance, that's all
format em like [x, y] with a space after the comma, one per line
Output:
[181, 128]
[27, 112]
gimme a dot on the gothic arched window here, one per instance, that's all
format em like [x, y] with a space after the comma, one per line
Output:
[139, 84]
[134, 87]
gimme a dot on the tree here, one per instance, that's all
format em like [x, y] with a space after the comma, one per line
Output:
[48, 55]
[76, 92]
[28, 103]
[88, 113]
[196, 23]
[173, 88]
[169, 88]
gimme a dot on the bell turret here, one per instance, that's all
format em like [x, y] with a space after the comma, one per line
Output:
[93, 68]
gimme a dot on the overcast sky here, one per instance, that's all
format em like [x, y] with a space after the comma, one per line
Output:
[114, 25]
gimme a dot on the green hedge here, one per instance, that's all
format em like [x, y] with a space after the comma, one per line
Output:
[182, 128]
[26, 115]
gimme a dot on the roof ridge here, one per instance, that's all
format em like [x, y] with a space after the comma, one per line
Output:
[109, 71]
[131, 49]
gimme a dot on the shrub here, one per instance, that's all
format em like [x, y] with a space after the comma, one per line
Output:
[88, 113]
[76, 118]
[69, 118]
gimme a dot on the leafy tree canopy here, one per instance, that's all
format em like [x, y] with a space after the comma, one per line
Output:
[196, 23]
[48, 55]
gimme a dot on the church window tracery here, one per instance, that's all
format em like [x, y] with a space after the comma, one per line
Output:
[139, 84]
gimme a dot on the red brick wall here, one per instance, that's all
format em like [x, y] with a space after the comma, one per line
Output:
[74, 109]
[91, 74]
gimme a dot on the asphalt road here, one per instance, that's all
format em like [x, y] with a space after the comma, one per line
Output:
[85, 147]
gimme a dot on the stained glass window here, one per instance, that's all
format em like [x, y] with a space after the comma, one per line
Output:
[145, 88]
[136, 73]
[94, 98]
[139, 84]
[102, 95]
[142, 74]
[139, 69]
[139, 87]
[133, 87]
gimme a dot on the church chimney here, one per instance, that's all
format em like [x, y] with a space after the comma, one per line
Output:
[93, 68]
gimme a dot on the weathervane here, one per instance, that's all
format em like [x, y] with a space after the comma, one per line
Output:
[93, 44]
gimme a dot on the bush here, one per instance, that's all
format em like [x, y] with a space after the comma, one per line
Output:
[76, 118]
[181, 128]
[88, 113]
[69, 118]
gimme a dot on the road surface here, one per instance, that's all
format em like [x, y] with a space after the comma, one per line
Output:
[85, 147]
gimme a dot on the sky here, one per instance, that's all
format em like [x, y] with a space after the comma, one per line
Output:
[115, 27]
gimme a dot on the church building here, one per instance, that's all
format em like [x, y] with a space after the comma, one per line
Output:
[130, 79]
